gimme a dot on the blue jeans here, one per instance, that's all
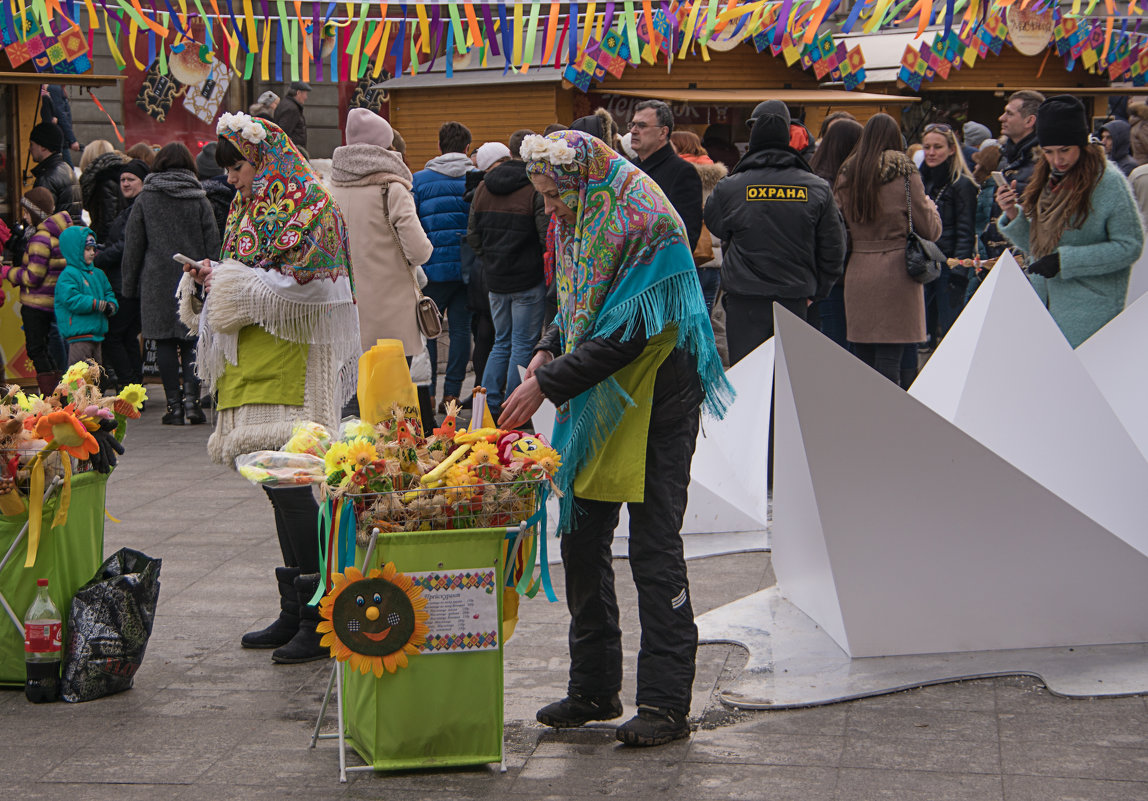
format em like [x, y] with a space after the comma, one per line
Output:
[450, 297]
[517, 326]
[710, 279]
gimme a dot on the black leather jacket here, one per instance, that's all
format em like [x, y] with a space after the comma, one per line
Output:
[677, 387]
[54, 174]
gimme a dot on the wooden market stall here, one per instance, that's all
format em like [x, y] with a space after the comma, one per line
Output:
[724, 88]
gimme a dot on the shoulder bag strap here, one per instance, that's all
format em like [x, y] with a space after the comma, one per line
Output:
[395, 235]
[909, 204]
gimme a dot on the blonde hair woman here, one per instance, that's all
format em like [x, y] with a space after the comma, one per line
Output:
[100, 167]
[950, 184]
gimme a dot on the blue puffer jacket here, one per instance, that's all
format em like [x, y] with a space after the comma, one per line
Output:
[438, 192]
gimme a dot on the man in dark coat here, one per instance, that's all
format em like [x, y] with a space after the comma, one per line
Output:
[1018, 123]
[289, 113]
[650, 130]
[1116, 137]
[785, 239]
[507, 231]
[52, 172]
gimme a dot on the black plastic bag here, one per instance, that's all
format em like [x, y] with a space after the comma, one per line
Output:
[109, 626]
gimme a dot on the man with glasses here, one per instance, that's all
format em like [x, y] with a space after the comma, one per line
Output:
[650, 130]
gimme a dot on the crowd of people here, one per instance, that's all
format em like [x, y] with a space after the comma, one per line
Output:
[580, 264]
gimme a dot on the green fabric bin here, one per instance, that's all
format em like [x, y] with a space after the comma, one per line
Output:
[68, 557]
[442, 709]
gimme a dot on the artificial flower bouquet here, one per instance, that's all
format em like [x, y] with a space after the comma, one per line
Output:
[400, 480]
[40, 435]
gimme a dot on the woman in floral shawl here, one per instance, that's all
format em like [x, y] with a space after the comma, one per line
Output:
[628, 361]
[278, 341]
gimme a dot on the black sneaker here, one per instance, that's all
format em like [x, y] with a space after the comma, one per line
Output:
[577, 710]
[654, 725]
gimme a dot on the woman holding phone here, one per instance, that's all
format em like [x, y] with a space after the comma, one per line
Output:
[1077, 221]
[279, 342]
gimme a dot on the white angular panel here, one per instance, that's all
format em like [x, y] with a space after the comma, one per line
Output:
[930, 541]
[1006, 376]
[727, 491]
[1114, 357]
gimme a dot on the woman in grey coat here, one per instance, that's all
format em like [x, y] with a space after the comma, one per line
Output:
[171, 215]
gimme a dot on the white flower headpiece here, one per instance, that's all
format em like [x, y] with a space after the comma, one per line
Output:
[555, 151]
[242, 124]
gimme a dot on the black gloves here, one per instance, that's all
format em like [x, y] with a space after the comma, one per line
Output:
[1047, 266]
[105, 459]
[106, 307]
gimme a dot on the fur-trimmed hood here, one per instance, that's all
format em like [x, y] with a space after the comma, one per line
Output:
[710, 175]
[365, 165]
[896, 164]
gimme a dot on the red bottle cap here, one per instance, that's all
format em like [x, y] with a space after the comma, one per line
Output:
[41, 582]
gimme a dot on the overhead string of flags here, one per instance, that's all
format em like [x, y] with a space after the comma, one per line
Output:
[285, 40]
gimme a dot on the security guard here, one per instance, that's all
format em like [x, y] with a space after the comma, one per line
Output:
[784, 236]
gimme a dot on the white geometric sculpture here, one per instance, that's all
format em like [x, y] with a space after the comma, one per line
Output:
[1007, 377]
[727, 491]
[1114, 358]
[1138, 280]
[898, 533]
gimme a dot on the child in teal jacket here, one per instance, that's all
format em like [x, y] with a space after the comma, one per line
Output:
[84, 297]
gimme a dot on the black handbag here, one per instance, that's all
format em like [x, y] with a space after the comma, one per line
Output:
[923, 259]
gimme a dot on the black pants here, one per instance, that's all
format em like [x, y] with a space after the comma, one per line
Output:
[122, 354]
[482, 330]
[657, 561]
[37, 338]
[749, 321]
[175, 359]
[297, 524]
[883, 357]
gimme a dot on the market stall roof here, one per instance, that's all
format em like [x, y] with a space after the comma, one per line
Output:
[467, 77]
[70, 80]
[837, 97]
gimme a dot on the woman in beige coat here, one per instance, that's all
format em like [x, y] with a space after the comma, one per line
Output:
[372, 186]
[365, 175]
[884, 307]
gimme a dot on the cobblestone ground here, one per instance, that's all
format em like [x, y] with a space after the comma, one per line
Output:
[209, 720]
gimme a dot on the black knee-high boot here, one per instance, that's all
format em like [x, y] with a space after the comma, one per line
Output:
[287, 624]
[304, 646]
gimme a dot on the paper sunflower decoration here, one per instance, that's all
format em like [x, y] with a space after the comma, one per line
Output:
[373, 621]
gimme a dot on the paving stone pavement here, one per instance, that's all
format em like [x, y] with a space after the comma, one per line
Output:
[209, 720]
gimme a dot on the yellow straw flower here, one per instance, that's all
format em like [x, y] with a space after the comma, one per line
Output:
[134, 394]
[335, 456]
[360, 453]
[76, 373]
[360, 429]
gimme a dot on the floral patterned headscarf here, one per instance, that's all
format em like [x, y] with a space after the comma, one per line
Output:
[622, 223]
[290, 223]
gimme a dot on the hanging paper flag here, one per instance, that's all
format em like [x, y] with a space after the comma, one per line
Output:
[204, 99]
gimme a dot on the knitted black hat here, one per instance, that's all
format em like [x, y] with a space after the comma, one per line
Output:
[770, 125]
[48, 135]
[137, 167]
[1061, 121]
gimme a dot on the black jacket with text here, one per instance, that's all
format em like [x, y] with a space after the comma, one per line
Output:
[783, 234]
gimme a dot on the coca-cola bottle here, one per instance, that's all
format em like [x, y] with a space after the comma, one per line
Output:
[42, 648]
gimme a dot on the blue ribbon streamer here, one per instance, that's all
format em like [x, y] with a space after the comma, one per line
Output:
[572, 44]
[949, 4]
[335, 53]
[449, 51]
[9, 22]
[347, 536]
[174, 18]
[400, 40]
[330, 12]
[854, 15]
[236, 30]
[507, 37]
[150, 46]
[539, 519]
[278, 56]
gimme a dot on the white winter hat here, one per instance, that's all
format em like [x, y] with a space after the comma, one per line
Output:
[489, 153]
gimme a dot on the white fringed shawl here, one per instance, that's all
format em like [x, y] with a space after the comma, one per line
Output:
[321, 314]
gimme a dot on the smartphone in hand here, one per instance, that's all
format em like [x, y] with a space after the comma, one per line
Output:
[1000, 179]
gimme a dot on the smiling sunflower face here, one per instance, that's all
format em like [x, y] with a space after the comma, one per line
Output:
[373, 621]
